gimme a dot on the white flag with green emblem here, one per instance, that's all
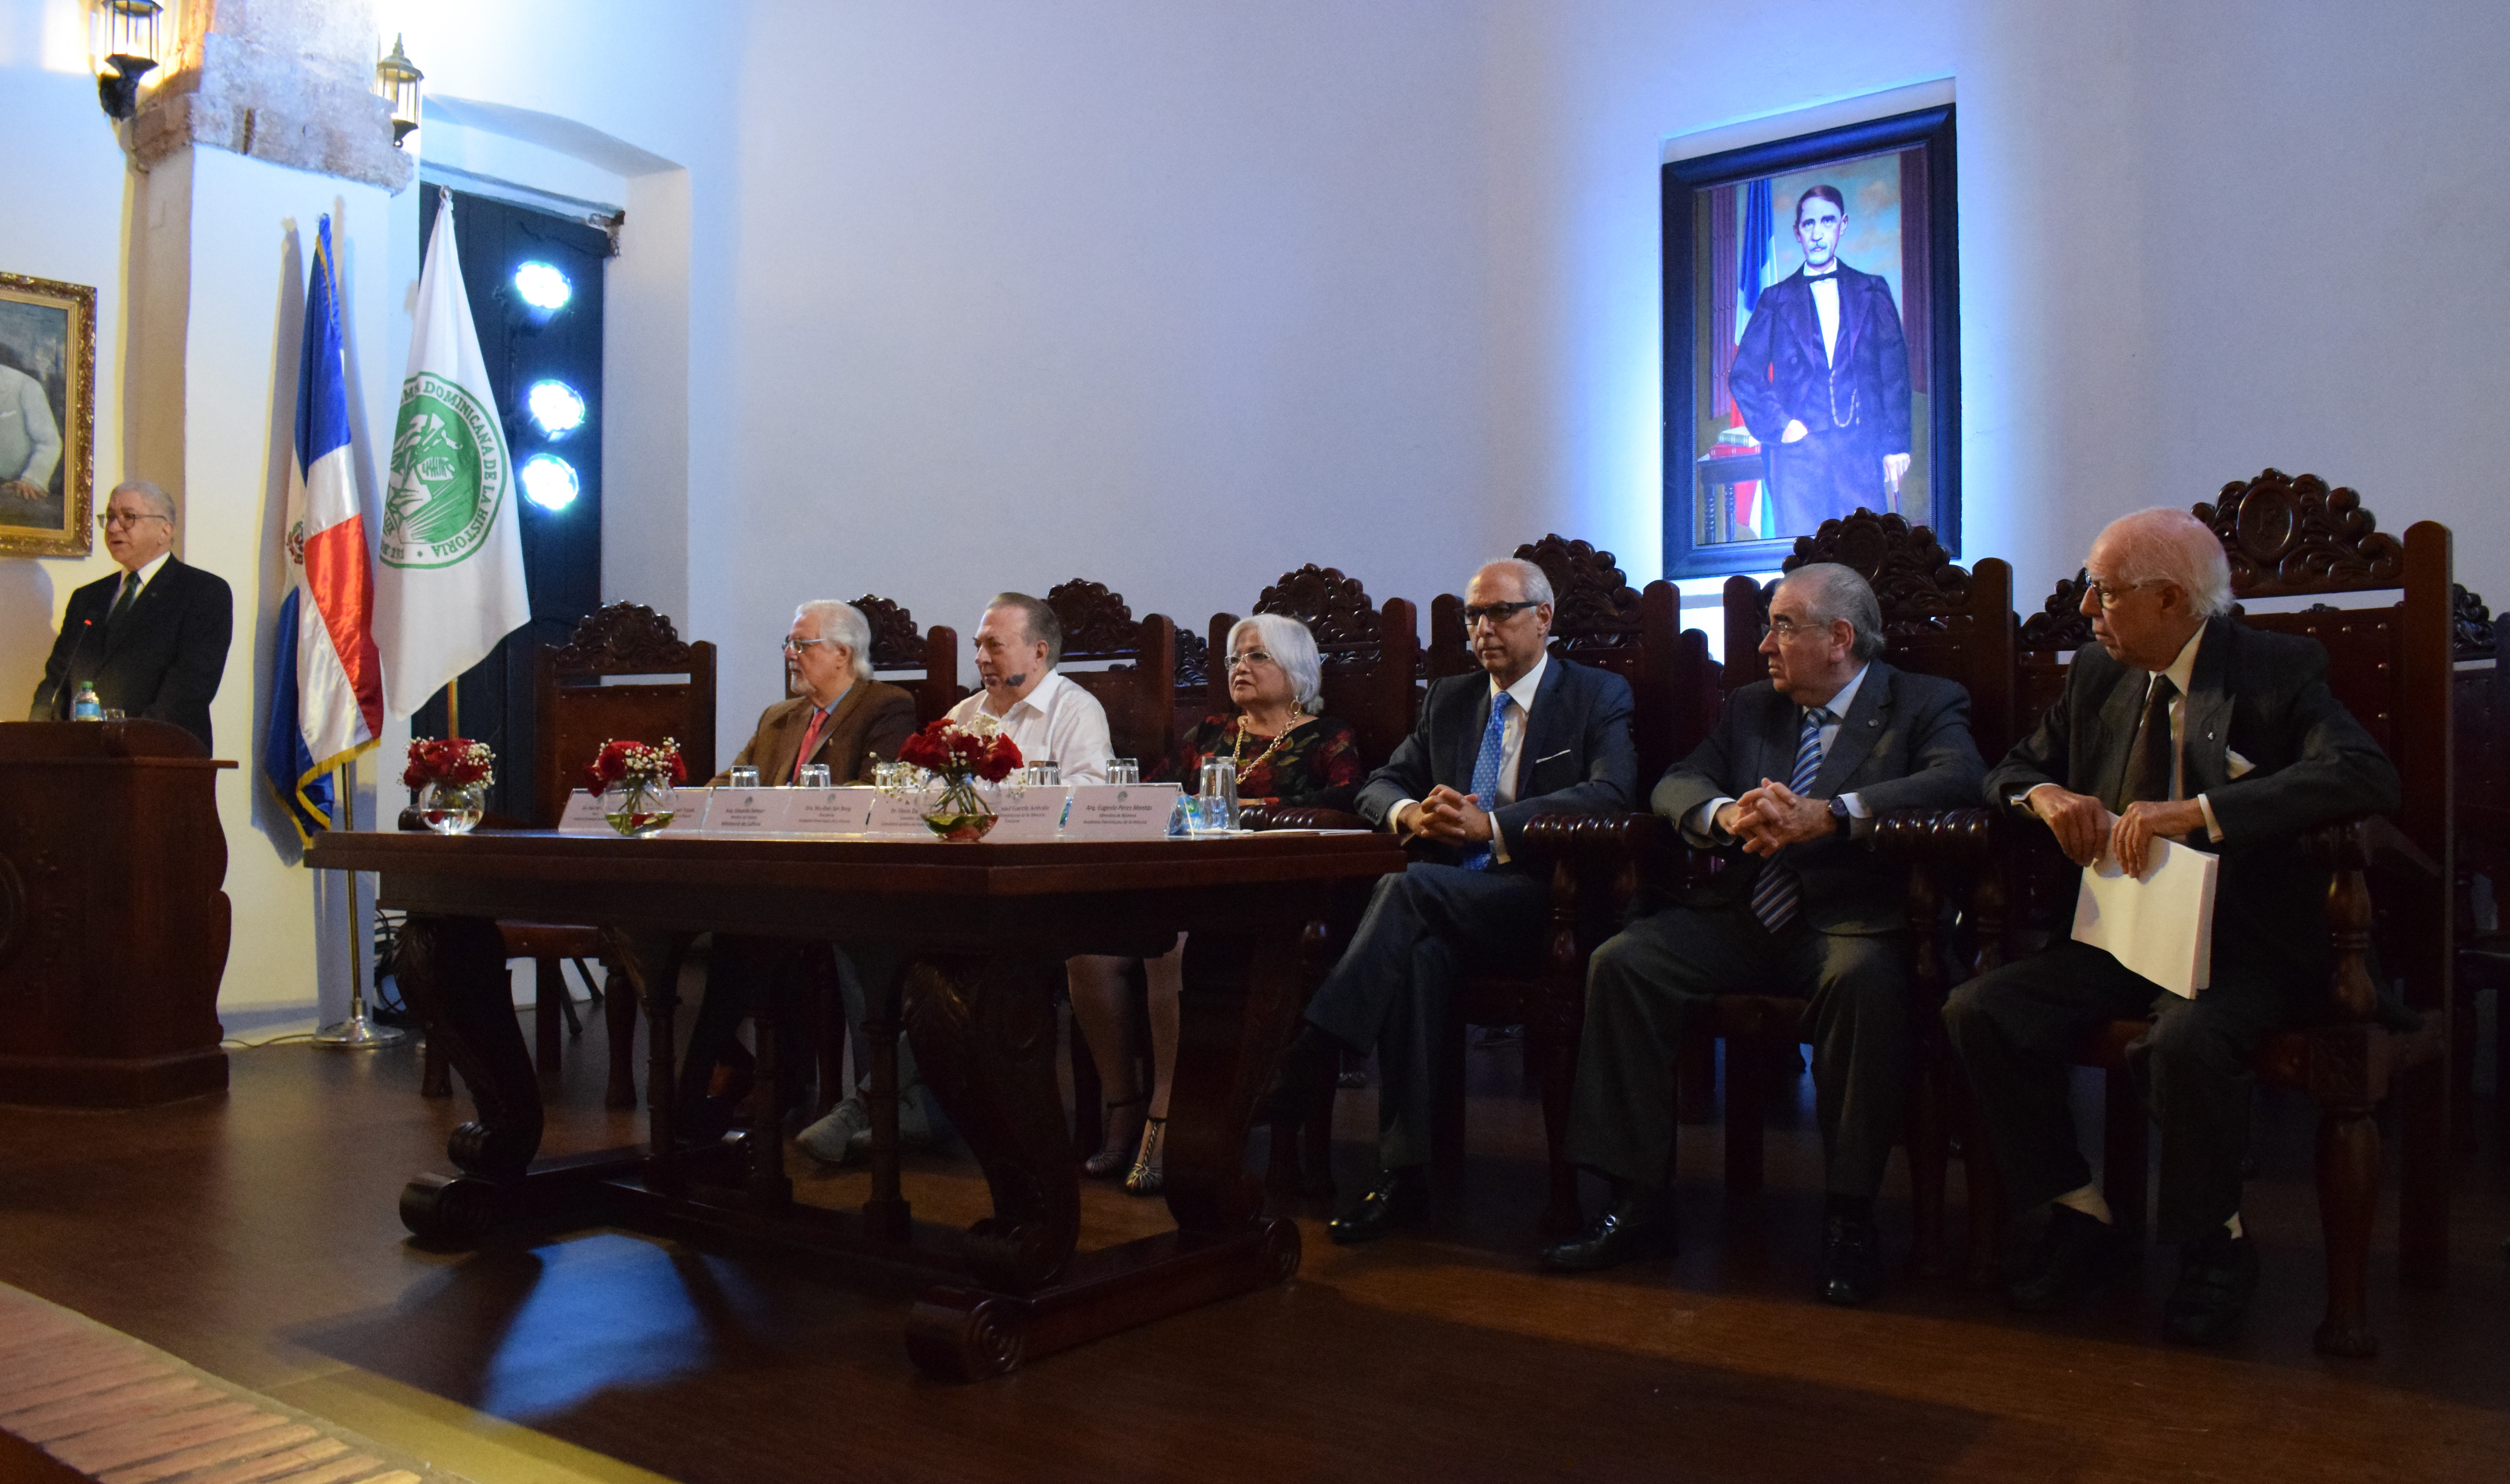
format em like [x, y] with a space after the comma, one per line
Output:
[449, 574]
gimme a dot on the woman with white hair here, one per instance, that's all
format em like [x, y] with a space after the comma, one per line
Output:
[1285, 754]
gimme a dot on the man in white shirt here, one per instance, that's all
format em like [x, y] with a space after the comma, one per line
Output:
[1531, 733]
[1019, 643]
[30, 442]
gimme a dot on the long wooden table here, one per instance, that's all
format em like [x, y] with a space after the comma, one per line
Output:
[987, 928]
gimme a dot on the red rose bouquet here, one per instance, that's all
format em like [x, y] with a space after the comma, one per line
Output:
[641, 777]
[959, 754]
[457, 761]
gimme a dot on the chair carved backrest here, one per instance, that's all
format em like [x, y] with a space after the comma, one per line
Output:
[1138, 688]
[924, 662]
[2482, 701]
[1368, 654]
[1598, 619]
[577, 709]
[1937, 618]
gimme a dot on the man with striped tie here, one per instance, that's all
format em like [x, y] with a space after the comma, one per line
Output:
[1786, 787]
[1531, 734]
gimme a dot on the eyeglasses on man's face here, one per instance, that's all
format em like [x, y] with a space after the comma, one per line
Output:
[1782, 628]
[106, 520]
[2110, 594]
[1250, 657]
[1496, 613]
[796, 646]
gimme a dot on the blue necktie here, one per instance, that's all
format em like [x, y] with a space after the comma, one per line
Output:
[1486, 777]
[1778, 892]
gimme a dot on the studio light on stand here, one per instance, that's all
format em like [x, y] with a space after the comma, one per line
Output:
[124, 39]
[397, 80]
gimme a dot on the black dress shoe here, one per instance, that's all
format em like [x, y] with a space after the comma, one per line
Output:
[1307, 1067]
[1851, 1259]
[1399, 1198]
[2217, 1275]
[2078, 1255]
[1632, 1228]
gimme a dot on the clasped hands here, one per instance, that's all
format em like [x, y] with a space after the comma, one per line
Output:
[1448, 816]
[2085, 829]
[1773, 817]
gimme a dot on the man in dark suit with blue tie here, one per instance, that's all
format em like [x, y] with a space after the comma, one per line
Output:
[1786, 787]
[153, 638]
[1822, 379]
[1531, 734]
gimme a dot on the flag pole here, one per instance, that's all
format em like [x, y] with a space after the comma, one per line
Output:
[358, 1032]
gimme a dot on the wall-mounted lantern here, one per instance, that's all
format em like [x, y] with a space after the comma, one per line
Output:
[397, 80]
[122, 38]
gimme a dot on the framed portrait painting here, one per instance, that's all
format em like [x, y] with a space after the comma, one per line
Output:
[1812, 340]
[47, 416]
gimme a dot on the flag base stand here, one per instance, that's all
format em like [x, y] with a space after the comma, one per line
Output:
[360, 1033]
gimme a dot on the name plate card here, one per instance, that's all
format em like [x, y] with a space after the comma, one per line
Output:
[749, 810]
[1120, 810]
[904, 818]
[583, 815]
[688, 811]
[830, 811]
[1032, 817]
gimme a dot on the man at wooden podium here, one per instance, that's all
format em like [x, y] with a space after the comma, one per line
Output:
[152, 637]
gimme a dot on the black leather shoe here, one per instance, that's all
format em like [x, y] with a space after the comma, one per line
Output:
[2078, 1255]
[2217, 1275]
[1307, 1067]
[1632, 1228]
[1399, 1198]
[1851, 1259]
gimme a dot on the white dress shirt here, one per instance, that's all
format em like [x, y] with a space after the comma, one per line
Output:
[146, 574]
[1825, 303]
[1056, 721]
[1700, 827]
[1512, 746]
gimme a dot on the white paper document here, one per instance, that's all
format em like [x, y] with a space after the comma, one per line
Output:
[2161, 924]
[1121, 812]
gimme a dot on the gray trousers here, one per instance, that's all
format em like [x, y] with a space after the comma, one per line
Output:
[1649, 985]
[1395, 986]
[2017, 1029]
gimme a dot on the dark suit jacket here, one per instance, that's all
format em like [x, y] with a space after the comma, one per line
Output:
[1780, 371]
[1904, 743]
[1578, 757]
[2264, 696]
[870, 721]
[162, 660]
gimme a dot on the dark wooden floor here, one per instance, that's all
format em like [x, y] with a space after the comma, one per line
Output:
[254, 1234]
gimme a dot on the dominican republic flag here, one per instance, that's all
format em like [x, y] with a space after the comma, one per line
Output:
[327, 696]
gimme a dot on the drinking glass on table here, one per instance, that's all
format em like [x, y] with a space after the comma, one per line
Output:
[1045, 773]
[812, 775]
[1123, 769]
[742, 778]
[1216, 807]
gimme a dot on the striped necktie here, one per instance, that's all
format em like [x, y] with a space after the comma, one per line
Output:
[1486, 777]
[1778, 892]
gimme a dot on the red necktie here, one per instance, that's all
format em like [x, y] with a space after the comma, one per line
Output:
[810, 741]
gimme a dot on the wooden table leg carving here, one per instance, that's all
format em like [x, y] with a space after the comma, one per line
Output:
[887, 1215]
[1242, 1003]
[452, 970]
[651, 959]
[983, 1033]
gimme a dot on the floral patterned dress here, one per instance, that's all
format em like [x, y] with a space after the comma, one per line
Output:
[1315, 764]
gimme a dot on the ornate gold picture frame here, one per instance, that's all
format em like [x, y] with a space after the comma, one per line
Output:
[47, 417]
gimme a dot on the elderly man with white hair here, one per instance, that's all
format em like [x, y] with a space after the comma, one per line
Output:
[152, 638]
[843, 719]
[1531, 733]
[1785, 787]
[2180, 723]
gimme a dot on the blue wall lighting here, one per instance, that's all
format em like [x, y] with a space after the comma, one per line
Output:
[556, 406]
[549, 482]
[542, 286]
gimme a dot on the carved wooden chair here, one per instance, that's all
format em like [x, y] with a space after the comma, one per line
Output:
[1937, 619]
[924, 662]
[2391, 666]
[1597, 619]
[2482, 829]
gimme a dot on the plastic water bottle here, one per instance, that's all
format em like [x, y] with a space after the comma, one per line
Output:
[84, 706]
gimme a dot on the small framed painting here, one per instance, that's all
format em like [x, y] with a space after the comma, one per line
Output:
[47, 416]
[1812, 340]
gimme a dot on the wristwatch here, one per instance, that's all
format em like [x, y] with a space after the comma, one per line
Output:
[1839, 816]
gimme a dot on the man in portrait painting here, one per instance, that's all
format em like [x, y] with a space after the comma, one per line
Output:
[1822, 380]
[30, 440]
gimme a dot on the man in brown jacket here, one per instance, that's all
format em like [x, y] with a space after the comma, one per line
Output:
[840, 716]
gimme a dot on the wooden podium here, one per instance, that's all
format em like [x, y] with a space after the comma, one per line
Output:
[113, 930]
